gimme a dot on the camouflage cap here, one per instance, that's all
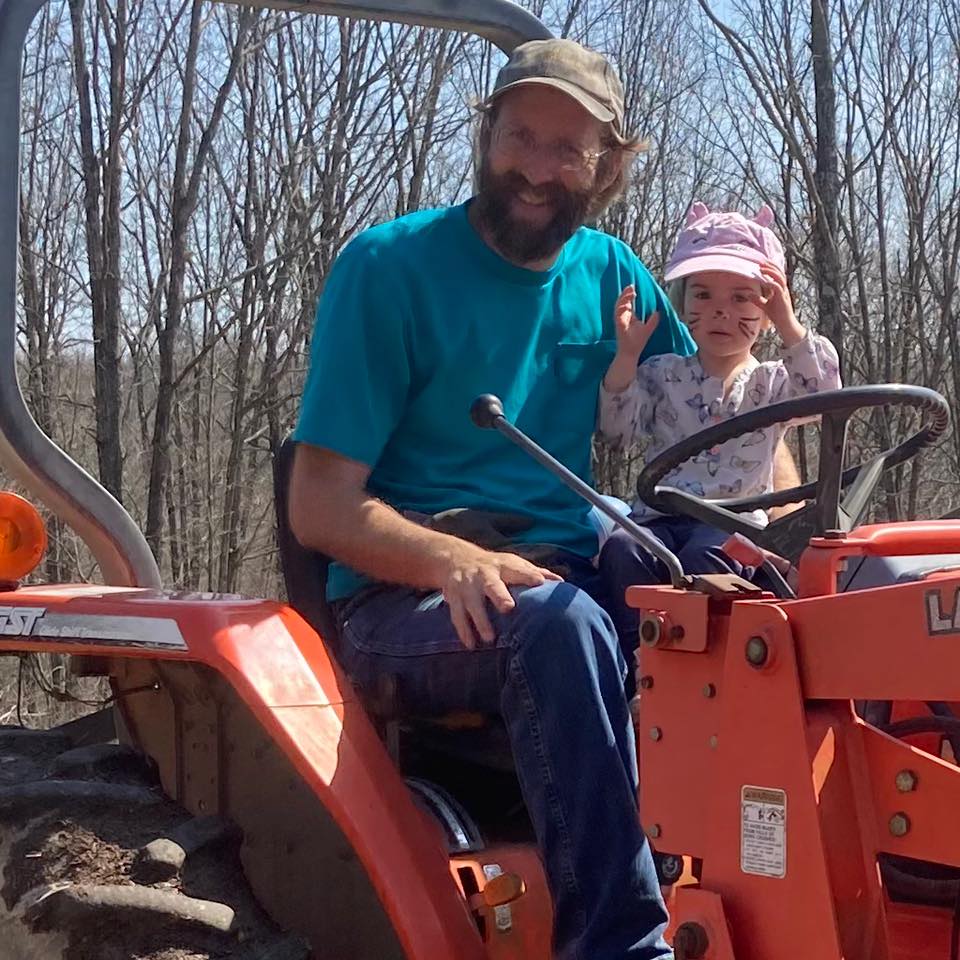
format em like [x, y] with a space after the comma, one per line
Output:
[567, 66]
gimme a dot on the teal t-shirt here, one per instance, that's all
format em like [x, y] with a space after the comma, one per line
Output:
[418, 317]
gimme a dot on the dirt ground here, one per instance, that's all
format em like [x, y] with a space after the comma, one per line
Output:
[46, 845]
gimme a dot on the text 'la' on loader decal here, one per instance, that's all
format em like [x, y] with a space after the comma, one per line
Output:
[941, 621]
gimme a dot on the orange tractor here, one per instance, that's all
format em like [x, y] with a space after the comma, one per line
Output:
[796, 745]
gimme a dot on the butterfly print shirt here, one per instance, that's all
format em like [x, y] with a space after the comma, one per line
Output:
[672, 398]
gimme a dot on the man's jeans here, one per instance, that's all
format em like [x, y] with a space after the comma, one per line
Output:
[556, 675]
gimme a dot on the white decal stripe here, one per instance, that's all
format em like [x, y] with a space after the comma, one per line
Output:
[145, 631]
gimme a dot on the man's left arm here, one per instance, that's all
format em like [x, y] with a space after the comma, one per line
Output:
[785, 476]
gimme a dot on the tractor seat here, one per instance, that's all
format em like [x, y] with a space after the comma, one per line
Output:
[473, 737]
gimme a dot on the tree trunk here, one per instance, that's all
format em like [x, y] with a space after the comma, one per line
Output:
[102, 185]
[825, 229]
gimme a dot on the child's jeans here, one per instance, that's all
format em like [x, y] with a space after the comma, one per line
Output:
[624, 562]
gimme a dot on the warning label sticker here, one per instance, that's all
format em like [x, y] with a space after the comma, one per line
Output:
[763, 831]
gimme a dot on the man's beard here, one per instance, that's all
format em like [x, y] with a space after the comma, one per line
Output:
[519, 241]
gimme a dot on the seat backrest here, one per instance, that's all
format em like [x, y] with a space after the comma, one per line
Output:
[304, 570]
[305, 575]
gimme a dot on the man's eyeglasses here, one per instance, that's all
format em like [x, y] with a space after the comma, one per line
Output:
[519, 143]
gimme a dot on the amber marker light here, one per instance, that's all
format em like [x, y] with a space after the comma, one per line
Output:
[23, 537]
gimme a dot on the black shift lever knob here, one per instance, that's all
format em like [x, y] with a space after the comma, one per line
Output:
[485, 410]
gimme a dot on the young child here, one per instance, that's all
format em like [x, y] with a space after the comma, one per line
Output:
[726, 280]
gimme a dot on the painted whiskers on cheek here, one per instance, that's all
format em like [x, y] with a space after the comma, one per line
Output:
[692, 320]
[748, 325]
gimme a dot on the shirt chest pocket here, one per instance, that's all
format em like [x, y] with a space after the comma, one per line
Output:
[583, 364]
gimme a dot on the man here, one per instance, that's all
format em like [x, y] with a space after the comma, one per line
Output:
[508, 294]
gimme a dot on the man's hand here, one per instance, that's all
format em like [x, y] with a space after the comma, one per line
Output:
[472, 576]
[331, 511]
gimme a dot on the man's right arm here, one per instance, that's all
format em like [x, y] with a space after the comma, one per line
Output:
[332, 512]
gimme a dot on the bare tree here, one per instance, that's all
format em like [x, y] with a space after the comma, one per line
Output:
[188, 172]
[187, 190]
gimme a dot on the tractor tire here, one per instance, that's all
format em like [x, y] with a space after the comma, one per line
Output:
[97, 864]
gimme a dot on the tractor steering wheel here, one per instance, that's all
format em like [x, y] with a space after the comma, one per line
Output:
[788, 536]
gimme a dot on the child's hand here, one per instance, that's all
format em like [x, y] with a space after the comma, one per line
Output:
[633, 334]
[778, 305]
